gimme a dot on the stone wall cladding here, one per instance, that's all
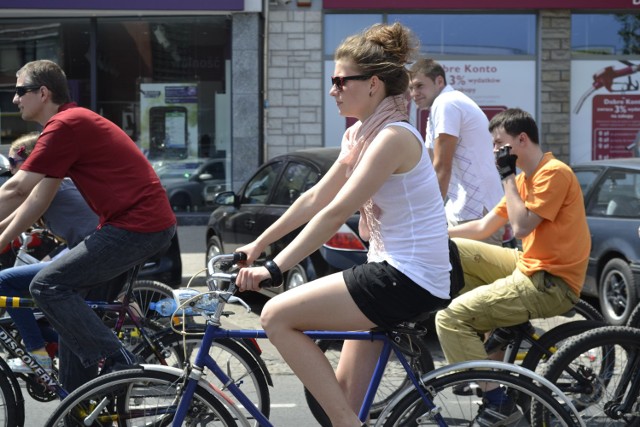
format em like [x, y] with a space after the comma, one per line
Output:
[293, 117]
[555, 69]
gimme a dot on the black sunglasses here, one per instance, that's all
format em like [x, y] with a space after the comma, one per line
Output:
[22, 90]
[339, 81]
[13, 162]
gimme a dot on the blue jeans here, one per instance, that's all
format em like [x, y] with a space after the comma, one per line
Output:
[60, 288]
[14, 282]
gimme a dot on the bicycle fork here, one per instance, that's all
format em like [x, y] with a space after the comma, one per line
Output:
[621, 406]
[195, 373]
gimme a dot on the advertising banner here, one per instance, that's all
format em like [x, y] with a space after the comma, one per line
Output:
[605, 109]
[169, 120]
[494, 85]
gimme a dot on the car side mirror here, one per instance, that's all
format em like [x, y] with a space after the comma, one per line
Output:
[205, 177]
[225, 198]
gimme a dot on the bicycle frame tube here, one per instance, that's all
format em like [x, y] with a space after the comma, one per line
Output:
[212, 332]
[15, 349]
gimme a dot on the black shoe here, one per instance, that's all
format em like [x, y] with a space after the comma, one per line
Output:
[467, 389]
[505, 414]
[122, 359]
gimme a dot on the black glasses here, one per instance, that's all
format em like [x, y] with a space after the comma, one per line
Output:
[13, 162]
[22, 90]
[339, 81]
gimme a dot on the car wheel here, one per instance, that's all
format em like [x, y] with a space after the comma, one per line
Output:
[295, 277]
[180, 202]
[617, 292]
[214, 247]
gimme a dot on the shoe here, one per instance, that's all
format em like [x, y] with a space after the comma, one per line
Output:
[18, 365]
[467, 389]
[122, 359]
[505, 415]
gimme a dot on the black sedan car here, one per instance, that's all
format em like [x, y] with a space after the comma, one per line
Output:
[193, 190]
[264, 198]
[611, 190]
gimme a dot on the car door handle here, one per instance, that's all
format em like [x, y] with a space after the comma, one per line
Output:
[249, 223]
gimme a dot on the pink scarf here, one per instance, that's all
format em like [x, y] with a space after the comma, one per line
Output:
[358, 137]
[355, 142]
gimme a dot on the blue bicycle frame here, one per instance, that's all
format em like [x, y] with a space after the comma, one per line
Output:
[212, 332]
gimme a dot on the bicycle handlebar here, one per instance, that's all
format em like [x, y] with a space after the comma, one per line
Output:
[230, 277]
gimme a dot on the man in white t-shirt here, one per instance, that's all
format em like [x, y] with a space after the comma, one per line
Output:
[460, 145]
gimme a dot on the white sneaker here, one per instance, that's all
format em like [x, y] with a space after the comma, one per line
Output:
[18, 365]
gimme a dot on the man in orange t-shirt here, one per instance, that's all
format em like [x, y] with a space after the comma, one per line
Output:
[505, 287]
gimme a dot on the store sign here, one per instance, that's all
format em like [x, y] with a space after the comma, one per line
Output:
[605, 102]
[124, 4]
[473, 4]
[494, 85]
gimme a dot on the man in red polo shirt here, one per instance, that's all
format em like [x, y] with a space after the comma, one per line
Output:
[117, 182]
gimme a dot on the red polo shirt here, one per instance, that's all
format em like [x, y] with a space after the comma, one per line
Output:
[110, 171]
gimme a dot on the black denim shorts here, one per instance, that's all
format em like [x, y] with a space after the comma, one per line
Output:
[386, 296]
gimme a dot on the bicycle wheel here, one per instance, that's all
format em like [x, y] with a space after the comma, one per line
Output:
[8, 408]
[394, 378]
[11, 392]
[457, 410]
[147, 291]
[634, 318]
[552, 340]
[238, 363]
[581, 311]
[594, 370]
[137, 398]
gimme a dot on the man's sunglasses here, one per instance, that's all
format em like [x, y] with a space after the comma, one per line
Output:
[339, 81]
[22, 90]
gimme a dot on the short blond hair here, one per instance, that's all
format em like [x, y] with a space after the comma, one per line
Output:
[24, 145]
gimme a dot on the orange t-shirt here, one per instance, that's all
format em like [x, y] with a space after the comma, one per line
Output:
[561, 243]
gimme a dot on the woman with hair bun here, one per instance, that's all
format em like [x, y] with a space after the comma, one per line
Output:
[384, 171]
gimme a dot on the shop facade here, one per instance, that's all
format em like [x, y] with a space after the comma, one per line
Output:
[245, 80]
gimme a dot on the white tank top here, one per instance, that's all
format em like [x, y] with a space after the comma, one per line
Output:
[414, 239]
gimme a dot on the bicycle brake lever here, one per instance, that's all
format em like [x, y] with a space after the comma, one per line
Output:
[235, 300]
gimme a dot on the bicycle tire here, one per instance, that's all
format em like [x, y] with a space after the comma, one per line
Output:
[582, 310]
[8, 407]
[462, 410]
[554, 338]
[239, 364]
[634, 318]
[421, 361]
[14, 392]
[138, 397]
[598, 358]
[147, 291]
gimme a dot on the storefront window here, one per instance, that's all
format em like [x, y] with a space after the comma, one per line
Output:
[495, 64]
[493, 34]
[164, 81]
[605, 34]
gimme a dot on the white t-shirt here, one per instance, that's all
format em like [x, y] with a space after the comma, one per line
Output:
[414, 238]
[475, 186]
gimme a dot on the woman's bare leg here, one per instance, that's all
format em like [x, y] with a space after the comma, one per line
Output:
[324, 304]
[357, 362]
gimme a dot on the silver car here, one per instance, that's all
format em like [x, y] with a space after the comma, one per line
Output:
[611, 190]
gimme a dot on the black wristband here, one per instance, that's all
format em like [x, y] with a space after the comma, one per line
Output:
[274, 271]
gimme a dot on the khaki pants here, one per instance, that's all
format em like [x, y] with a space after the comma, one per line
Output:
[496, 294]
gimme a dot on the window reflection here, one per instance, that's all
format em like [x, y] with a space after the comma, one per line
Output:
[605, 34]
